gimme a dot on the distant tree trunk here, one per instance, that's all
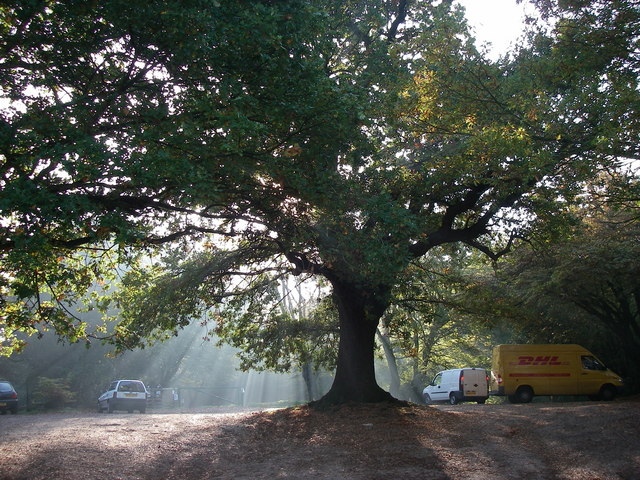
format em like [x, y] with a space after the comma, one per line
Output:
[417, 377]
[307, 375]
[359, 313]
[394, 383]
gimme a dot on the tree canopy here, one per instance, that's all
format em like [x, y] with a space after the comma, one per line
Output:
[197, 149]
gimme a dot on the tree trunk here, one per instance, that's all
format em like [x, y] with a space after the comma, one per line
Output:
[359, 313]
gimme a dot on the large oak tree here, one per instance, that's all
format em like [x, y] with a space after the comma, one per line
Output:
[234, 141]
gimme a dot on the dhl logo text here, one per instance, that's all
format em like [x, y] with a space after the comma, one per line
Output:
[539, 360]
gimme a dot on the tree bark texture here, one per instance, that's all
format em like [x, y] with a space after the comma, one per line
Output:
[359, 313]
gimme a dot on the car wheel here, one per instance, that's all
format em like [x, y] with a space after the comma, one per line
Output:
[607, 393]
[481, 402]
[453, 399]
[426, 398]
[524, 394]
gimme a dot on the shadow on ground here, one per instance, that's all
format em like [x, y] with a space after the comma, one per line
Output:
[535, 441]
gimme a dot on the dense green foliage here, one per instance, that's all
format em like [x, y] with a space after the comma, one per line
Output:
[201, 149]
[53, 393]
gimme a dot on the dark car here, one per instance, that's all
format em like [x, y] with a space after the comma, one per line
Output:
[8, 398]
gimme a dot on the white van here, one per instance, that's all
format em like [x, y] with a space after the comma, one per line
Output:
[126, 395]
[458, 385]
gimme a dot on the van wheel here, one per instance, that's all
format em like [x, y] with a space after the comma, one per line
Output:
[427, 398]
[453, 399]
[481, 402]
[607, 393]
[524, 394]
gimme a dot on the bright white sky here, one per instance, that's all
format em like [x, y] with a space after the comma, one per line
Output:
[499, 22]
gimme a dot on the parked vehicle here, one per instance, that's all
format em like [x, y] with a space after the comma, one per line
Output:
[522, 371]
[458, 385]
[126, 395]
[8, 398]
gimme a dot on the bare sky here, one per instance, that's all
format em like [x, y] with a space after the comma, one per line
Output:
[499, 22]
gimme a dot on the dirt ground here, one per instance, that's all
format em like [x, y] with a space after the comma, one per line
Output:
[546, 441]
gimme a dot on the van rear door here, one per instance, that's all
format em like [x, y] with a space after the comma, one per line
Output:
[474, 382]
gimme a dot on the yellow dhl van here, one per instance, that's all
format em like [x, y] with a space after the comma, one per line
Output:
[522, 371]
